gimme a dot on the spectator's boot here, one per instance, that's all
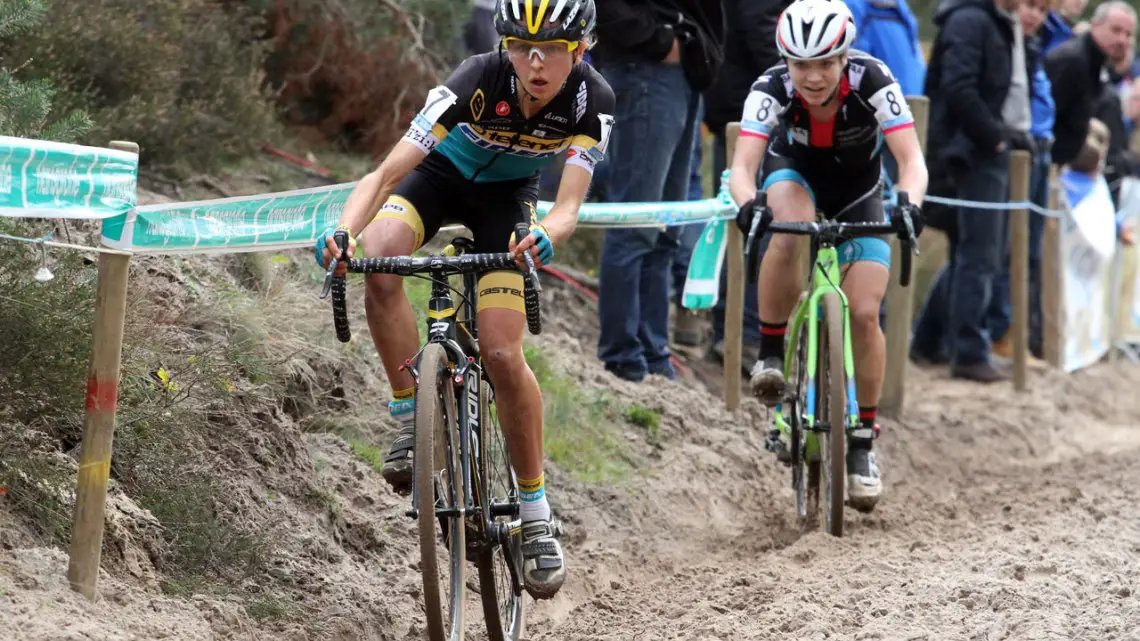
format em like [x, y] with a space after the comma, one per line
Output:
[688, 327]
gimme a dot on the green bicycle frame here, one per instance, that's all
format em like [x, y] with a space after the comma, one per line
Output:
[825, 277]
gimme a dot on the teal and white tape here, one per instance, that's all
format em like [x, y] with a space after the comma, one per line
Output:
[43, 179]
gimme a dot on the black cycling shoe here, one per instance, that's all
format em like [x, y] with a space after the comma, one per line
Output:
[398, 464]
[776, 444]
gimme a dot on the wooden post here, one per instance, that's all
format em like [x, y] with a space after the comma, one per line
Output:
[1053, 280]
[1019, 267]
[734, 297]
[900, 300]
[99, 419]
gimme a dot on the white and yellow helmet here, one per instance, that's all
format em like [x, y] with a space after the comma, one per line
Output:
[541, 20]
[814, 29]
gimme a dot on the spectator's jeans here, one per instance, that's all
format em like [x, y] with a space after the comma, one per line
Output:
[965, 288]
[1000, 316]
[648, 160]
[689, 235]
[751, 330]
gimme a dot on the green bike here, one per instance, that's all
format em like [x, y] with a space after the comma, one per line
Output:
[819, 357]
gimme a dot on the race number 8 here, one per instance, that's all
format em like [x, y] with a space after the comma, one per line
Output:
[765, 109]
[893, 101]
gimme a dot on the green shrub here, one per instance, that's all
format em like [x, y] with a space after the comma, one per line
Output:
[25, 107]
[182, 78]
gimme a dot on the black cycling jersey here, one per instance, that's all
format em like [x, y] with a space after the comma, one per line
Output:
[871, 104]
[475, 122]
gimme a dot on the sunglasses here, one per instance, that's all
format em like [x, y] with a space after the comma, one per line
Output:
[520, 47]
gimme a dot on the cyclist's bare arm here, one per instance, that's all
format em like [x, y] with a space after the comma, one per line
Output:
[562, 219]
[563, 216]
[745, 163]
[761, 116]
[372, 190]
[913, 176]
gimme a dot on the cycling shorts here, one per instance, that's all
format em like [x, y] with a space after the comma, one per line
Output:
[858, 200]
[435, 192]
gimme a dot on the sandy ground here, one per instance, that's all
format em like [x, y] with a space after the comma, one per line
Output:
[1006, 516]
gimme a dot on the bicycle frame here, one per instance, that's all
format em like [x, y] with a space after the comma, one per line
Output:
[467, 374]
[825, 277]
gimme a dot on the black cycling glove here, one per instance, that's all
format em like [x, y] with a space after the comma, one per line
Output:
[745, 214]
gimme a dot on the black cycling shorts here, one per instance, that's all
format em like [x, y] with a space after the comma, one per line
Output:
[854, 199]
[435, 192]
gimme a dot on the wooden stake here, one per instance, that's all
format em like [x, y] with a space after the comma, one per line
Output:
[900, 300]
[99, 419]
[1053, 280]
[734, 299]
[1019, 168]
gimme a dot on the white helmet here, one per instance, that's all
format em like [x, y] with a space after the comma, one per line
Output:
[814, 29]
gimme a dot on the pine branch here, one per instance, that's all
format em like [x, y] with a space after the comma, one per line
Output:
[20, 15]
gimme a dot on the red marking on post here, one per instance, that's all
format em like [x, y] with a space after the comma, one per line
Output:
[102, 395]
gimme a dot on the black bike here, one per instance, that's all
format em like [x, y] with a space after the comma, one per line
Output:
[464, 483]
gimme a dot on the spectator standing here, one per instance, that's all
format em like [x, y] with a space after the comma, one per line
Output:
[689, 324]
[979, 87]
[657, 55]
[1077, 71]
[1032, 14]
[749, 50]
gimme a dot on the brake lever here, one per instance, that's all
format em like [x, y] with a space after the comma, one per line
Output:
[341, 238]
[521, 232]
[759, 205]
[910, 232]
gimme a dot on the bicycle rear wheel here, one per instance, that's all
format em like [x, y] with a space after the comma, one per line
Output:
[439, 486]
[500, 560]
[832, 411]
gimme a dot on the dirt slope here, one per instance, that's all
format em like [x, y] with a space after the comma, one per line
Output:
[1006, 517]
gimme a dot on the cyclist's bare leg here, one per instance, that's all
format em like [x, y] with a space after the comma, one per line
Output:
[392, 324]
[865, 284]
[391, 320]
[517, 396]
[519, 402]
[779, 287]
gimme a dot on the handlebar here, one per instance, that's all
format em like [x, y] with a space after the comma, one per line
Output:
[440, 265]
[900, 225]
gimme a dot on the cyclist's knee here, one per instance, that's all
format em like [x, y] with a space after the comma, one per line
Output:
[383, 287]
[864, 314]
[791, 201]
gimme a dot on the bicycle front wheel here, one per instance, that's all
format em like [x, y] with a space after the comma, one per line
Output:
[500, 561]
[439, 495]
[832, 411]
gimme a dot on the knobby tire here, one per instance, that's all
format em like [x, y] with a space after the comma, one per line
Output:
[833, 410]
[436, 419]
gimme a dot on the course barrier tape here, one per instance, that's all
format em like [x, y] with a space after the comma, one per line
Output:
[293, 219]
[44, 179]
